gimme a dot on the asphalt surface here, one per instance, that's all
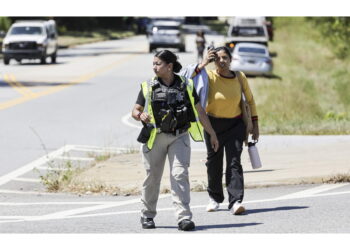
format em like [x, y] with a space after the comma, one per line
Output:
[288, 209]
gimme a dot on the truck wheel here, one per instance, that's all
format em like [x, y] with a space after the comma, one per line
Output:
[43, 60]
[182, 48]
[151, 48]
[53, 58]
[6, 60]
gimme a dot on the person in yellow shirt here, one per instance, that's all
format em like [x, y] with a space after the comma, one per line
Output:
[224, 112]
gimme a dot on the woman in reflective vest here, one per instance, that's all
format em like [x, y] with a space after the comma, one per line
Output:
[174, 143]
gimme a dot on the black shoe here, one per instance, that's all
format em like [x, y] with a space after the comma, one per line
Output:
[147, 223]
[186, 225]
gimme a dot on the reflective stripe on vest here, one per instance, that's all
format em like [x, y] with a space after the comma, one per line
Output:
[147, 93]
[196, 129]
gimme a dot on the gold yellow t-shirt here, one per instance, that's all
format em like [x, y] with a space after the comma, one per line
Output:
[225, 95]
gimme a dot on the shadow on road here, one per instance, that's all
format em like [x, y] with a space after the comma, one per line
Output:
[264, 210]
[207, 227]
[258, 171]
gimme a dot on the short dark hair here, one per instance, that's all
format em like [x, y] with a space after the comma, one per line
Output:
[169, 57]
[225, 49]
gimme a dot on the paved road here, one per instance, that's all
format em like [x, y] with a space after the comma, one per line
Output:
[80, 100]
[288, 209]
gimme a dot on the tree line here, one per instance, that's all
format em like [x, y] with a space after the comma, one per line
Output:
[78, 23]
[336, 32]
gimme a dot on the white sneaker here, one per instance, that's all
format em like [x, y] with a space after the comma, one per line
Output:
[237, 208]
[212, 206]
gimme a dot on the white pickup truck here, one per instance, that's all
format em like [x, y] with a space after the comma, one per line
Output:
[34, 39]
[247, 29]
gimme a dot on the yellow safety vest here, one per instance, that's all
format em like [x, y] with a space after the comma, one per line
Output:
[195, 130]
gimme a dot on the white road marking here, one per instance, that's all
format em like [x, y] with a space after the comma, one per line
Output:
[6, 191]
[12, 217]
[15, 204]
[312, 191]
[41, 161]
[85, 148]
[125, 120]
[26, 180]
[68, 158]
[48, 168]
[76, 213]
[70, 213]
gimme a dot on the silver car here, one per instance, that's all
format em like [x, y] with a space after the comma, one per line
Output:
[252, 59]
[166, 34]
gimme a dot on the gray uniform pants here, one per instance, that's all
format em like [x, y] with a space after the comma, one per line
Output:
[178, 150]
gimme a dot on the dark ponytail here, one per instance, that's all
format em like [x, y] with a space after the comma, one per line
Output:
[169, 57]
[177, 67]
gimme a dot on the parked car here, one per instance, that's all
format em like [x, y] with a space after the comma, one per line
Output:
[252, 59]
[35, 39]
[166, 34]
[247, 29]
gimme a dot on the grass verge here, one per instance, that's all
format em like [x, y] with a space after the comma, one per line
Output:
[69, 39]
[309, 93]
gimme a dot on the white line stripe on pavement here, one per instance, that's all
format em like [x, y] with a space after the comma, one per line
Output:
[125, 120]
[312, 191]
[75, 213]
[48, 168]
[192, 207]
[68, 158]
[69, 213]
[85, 148]
[41, 161]
[26, 180]
[7, 191]
[56, 203]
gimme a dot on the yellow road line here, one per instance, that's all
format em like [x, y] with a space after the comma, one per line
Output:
[27, 96]
[25, 89]
[11, 80]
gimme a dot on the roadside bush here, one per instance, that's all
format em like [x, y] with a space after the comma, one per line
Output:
[336, 31]
[5, 23]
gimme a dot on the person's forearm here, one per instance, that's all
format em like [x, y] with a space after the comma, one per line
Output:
[203, 118]
[201, 66]
[136, 112]
[206, 124]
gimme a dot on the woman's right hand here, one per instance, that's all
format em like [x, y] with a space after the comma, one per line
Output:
[145, 117]
[209, 57]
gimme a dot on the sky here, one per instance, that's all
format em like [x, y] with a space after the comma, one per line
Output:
[174, 7]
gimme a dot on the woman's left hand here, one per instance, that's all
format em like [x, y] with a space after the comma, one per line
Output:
[255, 134]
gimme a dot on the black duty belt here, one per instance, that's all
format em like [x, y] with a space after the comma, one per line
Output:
[179, 131]
[176, 132]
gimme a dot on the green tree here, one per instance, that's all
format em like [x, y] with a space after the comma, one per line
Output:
[5, 23]
[336, 31]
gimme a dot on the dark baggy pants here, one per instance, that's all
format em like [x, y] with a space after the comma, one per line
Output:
[230, 133]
